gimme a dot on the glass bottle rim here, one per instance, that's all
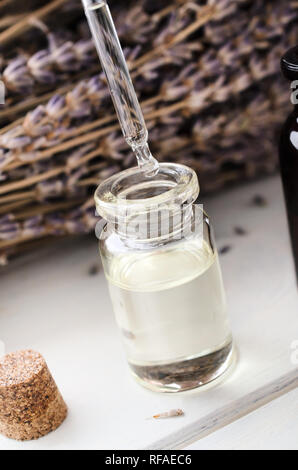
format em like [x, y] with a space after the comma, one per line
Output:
[131, 192]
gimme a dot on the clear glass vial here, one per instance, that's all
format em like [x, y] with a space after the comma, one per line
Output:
[164, 278]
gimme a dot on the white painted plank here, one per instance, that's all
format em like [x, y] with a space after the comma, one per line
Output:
[52, 305]
[271, 427]
[222, 416]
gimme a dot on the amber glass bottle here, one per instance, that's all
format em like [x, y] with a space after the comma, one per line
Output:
[288, 150]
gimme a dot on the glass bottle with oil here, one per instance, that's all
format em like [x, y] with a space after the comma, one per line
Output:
[164, 278]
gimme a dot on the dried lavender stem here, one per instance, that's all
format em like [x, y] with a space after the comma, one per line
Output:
[31, 195]
[205, 15]
[17, 196]
[97, 166]
[49, 174]
[10, 19]
[91, 136]
[89, 182]
[5, 3]
[90, 125]
[11, 207]
[83, 128]
[23, 25]
[30, 245]
[11, 125]
[162, 13]
[29, 181]
[87, 157]
[48, 208]
[68, 144]
[36, 100]
[17, 241]
[28, 104]
[106, 120]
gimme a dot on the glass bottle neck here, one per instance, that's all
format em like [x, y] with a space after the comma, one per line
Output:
[160, 227]
[155, 209]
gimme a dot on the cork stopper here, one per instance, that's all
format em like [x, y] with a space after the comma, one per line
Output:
[30, 402]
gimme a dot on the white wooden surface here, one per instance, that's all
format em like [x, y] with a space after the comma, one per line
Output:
[49, 303]
[271, 427]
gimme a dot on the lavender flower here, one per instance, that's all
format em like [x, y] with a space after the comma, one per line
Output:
[36, 123]
[9, 228]
[14, 139]
[56, 107]
[49, 189]
[39, 66]
[16, 76]
[208, 98]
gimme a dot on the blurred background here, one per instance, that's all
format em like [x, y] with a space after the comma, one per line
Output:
[207, 76]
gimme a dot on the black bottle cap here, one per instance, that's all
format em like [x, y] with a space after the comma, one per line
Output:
[289, 64]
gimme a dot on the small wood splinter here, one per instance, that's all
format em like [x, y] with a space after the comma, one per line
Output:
[169, 414]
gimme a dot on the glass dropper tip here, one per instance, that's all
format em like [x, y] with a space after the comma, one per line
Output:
[146, 161]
